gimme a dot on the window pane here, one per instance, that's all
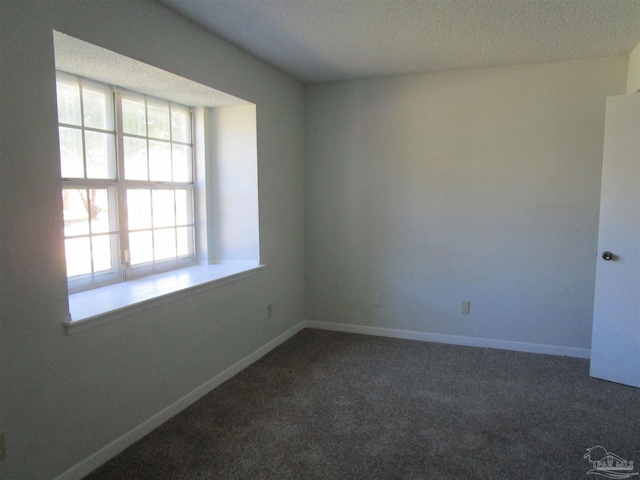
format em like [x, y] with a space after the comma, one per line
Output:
[183, 241]
[159, 161]
[78, 255]
[163, 208]
[102, 253]
[71, 163]
[180, 125]
[140, 247]
[97, 107]
[101, 158]
[99, 210]
[182, 164]
[182, 208]
[158, 119]
[164, 244]
[135, 159]
[139, 209]
[75, 211]
[68, 92]
[156, 138]
[134, 119]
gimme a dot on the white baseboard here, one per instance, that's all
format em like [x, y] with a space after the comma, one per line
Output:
[118, 445]
[452, 339]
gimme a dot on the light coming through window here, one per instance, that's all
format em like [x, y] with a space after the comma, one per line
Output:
[127, 183]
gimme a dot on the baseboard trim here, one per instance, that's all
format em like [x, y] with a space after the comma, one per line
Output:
[92, 462]
[118, 445]
[452, 339]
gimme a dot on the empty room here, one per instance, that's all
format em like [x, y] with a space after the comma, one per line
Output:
[319, 239]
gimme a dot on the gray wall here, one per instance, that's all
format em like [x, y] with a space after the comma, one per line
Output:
[478, 185]
[64, 397]
[633, 75]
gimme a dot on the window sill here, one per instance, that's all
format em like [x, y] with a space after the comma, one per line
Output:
[94, 307]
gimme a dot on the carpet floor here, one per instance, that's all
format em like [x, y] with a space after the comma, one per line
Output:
[329, 405]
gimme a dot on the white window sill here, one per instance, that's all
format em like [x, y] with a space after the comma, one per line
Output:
[94, 307]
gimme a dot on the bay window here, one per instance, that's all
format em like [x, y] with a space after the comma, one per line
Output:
[160, 200]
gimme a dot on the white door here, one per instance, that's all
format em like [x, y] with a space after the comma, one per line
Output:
[615, 346]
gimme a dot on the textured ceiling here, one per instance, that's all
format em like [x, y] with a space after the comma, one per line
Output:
[323, 40]
[87, 60]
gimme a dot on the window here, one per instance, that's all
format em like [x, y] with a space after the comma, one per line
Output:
[135, 206]
[127, 183]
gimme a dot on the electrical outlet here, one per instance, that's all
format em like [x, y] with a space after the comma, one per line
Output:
[2, 450]
[465, 307]
[377, 300]
[270, 310]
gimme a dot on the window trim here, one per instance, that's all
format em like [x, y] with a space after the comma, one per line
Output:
[98, 306]
[118, 186]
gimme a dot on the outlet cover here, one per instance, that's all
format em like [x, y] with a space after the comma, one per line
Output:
[377, 300]
[466, 307]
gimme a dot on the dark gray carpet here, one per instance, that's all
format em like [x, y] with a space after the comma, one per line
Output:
[327, 405]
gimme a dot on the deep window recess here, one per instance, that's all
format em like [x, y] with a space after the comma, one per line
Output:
[127, 183]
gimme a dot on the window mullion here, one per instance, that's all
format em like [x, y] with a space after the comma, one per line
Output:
[90, 182]
[171, 141]
[149, 186]
[85, 167]
[123, 217]
[84, 147]
[88, 207]
[158, 185]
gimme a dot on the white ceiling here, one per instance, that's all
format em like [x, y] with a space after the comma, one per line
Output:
[325, 40]
[90, 61]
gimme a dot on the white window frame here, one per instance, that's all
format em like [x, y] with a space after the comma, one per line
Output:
[114, 274]
[181, 261]
[226, 176]
[119, 231]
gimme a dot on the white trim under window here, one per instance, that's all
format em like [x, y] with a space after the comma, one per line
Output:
[113, 302]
